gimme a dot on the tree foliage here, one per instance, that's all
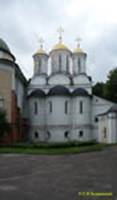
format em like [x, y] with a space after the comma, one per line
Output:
[107, 90]
[98, 89]
[5, 127]
[111, 85]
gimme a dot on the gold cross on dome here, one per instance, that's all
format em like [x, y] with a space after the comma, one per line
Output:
[41, 41]
[78, 40]
[60, 30]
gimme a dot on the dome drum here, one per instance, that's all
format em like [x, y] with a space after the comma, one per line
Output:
[60, 61]
[40, 63]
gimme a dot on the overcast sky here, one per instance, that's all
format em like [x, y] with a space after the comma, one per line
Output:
[95, 21]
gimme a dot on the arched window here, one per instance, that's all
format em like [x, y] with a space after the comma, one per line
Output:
[35, 108]
[50, 106]
[50, 66]
[36, 134]
[80, 133]
[105, 132]
[67, 63]
[60, 62]
[79, 65]
[81, 107]
[48, 135]
[66, 134]
[96, 119]
[40, 63]
[66, 107]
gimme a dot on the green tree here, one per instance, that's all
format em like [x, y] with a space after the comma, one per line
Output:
[111, 86]
[98, 89]
[5, 127]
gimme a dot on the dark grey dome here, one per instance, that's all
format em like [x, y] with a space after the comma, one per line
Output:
[80, 92]
[4, 46]
[37, 93]
[59, 90]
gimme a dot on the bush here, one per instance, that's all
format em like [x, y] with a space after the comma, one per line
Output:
[44, 145]
[5, 127]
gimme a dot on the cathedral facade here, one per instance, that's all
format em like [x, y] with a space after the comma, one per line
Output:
[60, 106]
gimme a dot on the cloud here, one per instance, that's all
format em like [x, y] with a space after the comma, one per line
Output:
[94, 21]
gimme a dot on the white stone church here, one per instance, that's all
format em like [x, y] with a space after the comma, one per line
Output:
[60, 106]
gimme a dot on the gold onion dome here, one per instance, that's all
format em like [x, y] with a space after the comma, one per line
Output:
[60, 46]
[78, 49]
[41, 51]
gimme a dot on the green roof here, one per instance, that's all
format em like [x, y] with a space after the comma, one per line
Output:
[4, 46]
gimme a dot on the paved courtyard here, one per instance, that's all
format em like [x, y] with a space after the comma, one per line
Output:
[38, 177]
